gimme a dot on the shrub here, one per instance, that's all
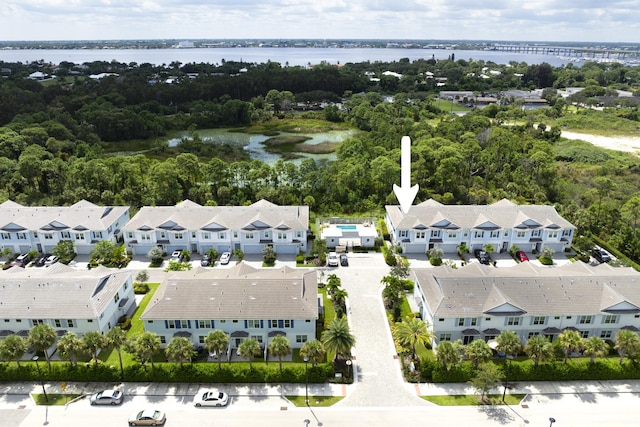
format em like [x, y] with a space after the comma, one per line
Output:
[140, 288]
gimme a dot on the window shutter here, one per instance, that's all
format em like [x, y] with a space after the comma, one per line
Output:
[178, 325]
[189, 324]
[292, 323]
[246, 324]
[261, 324]
[166, 324]
[197, 324]
[213, 323]
[280, 323]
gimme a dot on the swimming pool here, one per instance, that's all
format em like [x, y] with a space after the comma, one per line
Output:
[347, 227]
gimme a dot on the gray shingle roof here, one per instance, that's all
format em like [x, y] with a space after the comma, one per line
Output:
[241, 292]
[192, 216]
[575, 288]
[82, 215]
[504, 214]
[58, 291]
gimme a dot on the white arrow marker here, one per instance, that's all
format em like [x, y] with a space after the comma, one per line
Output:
[405, 193]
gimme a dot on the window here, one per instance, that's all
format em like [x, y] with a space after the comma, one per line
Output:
[145, 236]
[184, 324]
[71, 323]
[65, 235]
[204, 324]
[478, 234]
[193, 234]
[257, 338]
[506, 233]
[206, 235]
[299, 234]
[163, 339]
[96, 234]
[171, 324]
[253, 323]
[301, 338]
[35, 234]
[557, 317]
[129, 235]
[606, 334]
[533, 334]
[421, 234]
[441, 319]
[553, 234]
[610, 319]
[584, 334]
[513, 321]
[585, 320]
[495, 234]
[116, 297]
[568, 317]
[445, 337]
[201, 339]
[35, 322]
[287, 323]
[536, 233]
[487, 319]
[452, 234]
[274, 323]
[22, 236]
[222, 235]
[566, 233]
[57, 323]
[5, 236]
[178, 236]
[79, 236]
[163, 235]
[248, 236]
[539, 320]
[436, 233]
[223, 321]
[234, 321]
[474, 321]
[267, 234]
[520, 234]
[235, 234]
[48, 236]
[282, 236]
[461, 321]
[402, 233]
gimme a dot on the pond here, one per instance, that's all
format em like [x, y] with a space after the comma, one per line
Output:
[258, 150]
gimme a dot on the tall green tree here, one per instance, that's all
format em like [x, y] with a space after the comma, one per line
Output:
[216, 342]
[314, 351]
[280, 347]
[94, 341]
[487, 377]
[70, 347]
[627, 344]
[146, 346]
[13, 347]
[337, 338]
[478, 351]
[248, 349]
[509, 343]
[116, 338]
[41, 338]
[412, 332]
[449, 354]
[595, 347]
[570, 341]
[180, 350]
[539, 349]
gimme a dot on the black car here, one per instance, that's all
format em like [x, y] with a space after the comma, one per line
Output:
[344, 261]
[482, 256]
[41, 260]
[205, 261]
[601, 255]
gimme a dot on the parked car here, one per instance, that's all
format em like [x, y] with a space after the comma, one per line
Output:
[21, 261]
[344, 261]
[225, 258]
[177, 256]
[41, 260]
[147, 417]
[51, 260]
[211, 398]
[482, 256]
[601, 255]
[522, 256]
[107, 397]
[205, 261]
[332, 259]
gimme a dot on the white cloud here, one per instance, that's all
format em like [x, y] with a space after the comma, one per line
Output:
[540, 20]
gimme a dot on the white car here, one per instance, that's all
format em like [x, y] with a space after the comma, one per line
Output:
[211, 398]
[51, 260]
[225, 258]
[332, 259]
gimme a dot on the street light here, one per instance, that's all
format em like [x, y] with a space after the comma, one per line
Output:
[306, 380]
[551, 421]
[349, 362]
[506, 377]
[35, 359]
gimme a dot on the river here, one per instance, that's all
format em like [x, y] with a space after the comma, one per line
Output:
[285, 56]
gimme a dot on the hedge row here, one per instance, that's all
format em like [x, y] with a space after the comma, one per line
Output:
[573, 370]
[167, 372]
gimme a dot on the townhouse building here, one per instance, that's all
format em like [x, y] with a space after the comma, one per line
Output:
[41, 228]
[243, 301]
[503, 224]
[473, 302]
[197, 228]
[67, 299]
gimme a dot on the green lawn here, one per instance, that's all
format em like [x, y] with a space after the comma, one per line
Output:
[474, 400]
[299, 401]
[53, 399]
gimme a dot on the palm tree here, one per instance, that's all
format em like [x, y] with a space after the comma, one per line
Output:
[627, 343]
[13, 347]
[570, 341]
[69, 347]
[411, 332]
[280, 347]
[509, 343]
[40, 338]
[216, 342]
[337, 338]
[314, 350]
[595, 347]
[146, 346]
[94, 341]
[539, 349]
[449, 354]
[117, 338]
[179, 350]
[478, 351]
[333, 284]
[249, 349]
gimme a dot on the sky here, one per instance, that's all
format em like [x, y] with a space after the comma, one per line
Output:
[510, 20]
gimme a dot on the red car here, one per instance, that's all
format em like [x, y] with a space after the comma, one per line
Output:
[522, 256]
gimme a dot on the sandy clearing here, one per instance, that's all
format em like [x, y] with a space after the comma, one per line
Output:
[618, 143]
